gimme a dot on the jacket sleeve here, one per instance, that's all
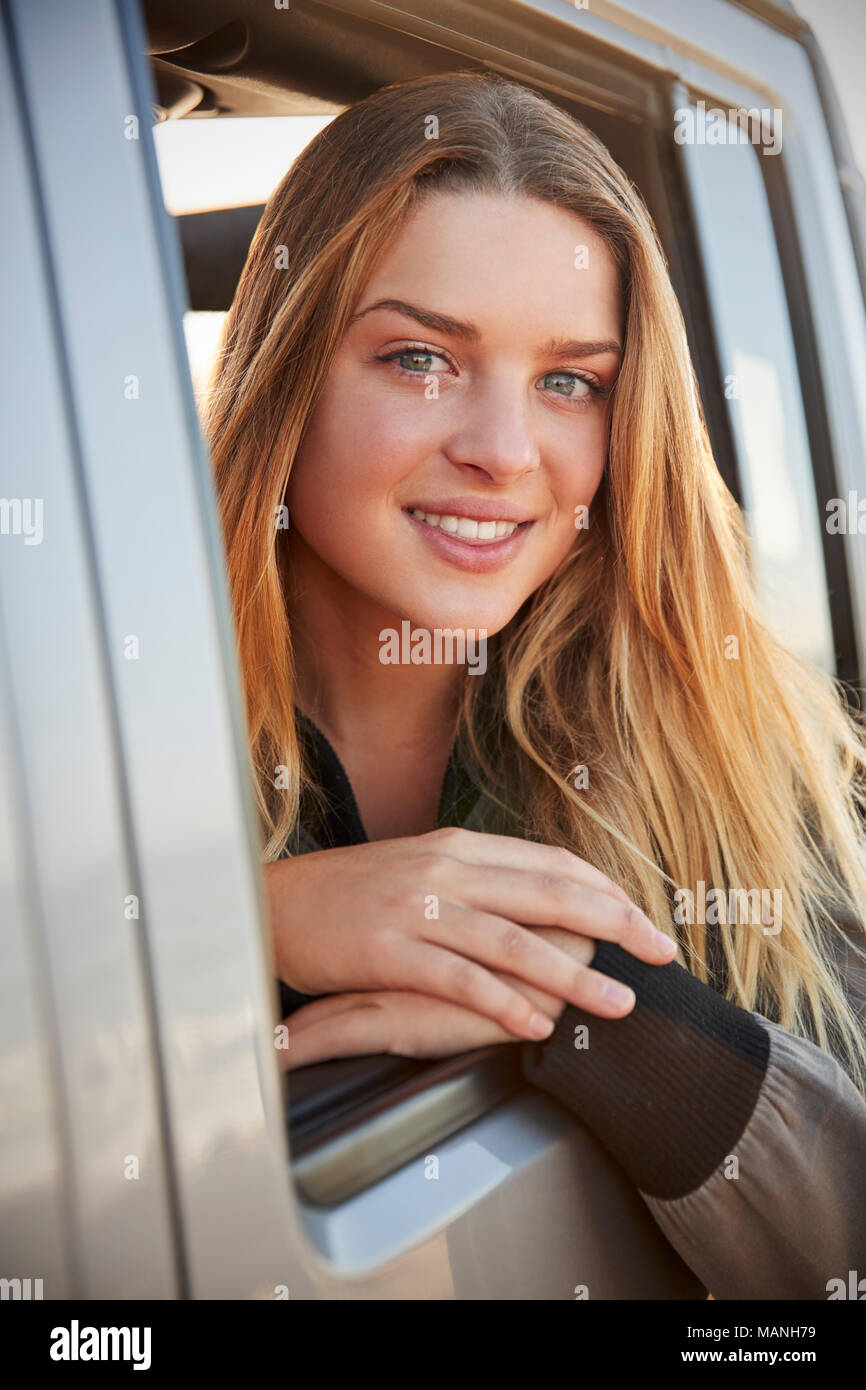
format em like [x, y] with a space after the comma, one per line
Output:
[747, 1144]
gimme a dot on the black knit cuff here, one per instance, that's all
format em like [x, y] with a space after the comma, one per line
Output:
[669, 1089]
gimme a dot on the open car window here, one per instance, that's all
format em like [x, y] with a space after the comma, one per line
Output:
[350, 1123]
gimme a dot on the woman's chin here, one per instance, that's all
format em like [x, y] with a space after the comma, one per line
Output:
[483, 620]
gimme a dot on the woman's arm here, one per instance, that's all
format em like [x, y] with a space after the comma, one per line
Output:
[451, 914]
[747, 1144]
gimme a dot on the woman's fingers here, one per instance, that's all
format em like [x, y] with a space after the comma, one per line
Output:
[547, 1003]
[353, 1025]
[427, 971]
[509, 851]
[591, 991]
[597, 993]
[406, 1023]
[400, 1023]
[563, 975]
[541, 899]
[457, 979]
[524, 954]
[326, 1007]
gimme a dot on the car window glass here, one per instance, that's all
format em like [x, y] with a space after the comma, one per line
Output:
[761, 384]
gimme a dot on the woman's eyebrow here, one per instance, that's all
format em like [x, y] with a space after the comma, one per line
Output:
[443, 323]
[579, 347]
[440, 323]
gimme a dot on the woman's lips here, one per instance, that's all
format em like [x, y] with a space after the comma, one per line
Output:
[478, 556]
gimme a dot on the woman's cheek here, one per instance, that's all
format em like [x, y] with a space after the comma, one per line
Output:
[575, 489]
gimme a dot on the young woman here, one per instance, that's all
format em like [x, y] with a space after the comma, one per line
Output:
[454, 396]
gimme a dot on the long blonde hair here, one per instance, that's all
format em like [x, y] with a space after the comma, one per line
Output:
[742, 773]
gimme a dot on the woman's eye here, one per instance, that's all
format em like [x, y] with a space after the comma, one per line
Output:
[420, 361]
[415, 360]
[571, 385]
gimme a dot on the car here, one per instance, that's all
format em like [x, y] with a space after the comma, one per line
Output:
[151, 1146]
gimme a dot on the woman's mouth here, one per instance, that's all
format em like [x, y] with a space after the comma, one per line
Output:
[466, 528]
[471, 544]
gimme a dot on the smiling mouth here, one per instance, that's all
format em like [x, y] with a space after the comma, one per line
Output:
[467, 528]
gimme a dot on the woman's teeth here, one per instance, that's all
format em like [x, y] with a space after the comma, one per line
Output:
[466, 527]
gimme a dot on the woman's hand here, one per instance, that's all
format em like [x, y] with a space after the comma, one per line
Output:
[441, 914]
[406, 1024]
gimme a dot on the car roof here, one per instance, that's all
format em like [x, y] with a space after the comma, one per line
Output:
[213, 58]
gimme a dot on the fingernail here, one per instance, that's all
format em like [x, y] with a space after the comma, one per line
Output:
[540, 1026]
[665, 944]
[616, 993]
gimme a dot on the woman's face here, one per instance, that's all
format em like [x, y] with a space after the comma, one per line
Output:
[470, 385]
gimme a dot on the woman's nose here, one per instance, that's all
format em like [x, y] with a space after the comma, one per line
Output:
[495, 433]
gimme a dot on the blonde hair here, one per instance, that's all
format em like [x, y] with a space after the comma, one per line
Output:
[745, 773]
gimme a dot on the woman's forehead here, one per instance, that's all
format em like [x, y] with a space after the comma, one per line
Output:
[477, 258]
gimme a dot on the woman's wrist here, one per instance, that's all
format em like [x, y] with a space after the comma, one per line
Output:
[278, 905]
